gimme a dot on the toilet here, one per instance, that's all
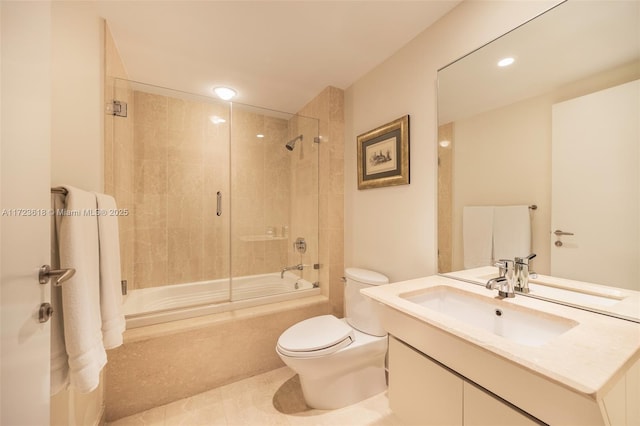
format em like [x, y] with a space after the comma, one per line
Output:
[339, 361]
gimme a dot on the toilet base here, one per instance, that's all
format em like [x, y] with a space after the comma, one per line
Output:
[329, 393]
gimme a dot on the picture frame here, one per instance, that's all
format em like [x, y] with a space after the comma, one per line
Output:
[383, 155]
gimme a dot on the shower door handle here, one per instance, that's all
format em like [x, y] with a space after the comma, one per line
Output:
[219, 203]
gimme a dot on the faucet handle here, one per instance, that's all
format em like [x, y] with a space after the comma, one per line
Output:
[504, 266]
[525, 260]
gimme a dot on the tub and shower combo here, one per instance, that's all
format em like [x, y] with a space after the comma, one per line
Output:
[224, 208]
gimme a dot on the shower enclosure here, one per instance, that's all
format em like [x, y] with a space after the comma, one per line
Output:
[222, 201]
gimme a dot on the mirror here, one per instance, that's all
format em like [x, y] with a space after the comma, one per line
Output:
[501, 133]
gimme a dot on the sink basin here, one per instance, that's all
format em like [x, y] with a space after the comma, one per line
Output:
[521, 325]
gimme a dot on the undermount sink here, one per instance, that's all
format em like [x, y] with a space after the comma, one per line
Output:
[521, 325]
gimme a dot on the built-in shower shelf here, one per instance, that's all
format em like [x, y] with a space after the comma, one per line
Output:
[262, 238]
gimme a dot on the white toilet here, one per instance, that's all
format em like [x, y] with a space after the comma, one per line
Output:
[339, 362]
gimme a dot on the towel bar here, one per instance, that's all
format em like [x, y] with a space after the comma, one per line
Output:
[59, 190]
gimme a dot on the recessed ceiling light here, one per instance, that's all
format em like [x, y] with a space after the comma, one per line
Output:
[260, 135]
[225, 93]
[444, 143]
[505, 62]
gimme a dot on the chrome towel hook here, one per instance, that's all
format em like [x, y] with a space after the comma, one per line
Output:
[61, 275]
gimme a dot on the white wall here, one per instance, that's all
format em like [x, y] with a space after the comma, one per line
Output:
[393, 230]
[25, 87]
[77, 64]
[77, 92]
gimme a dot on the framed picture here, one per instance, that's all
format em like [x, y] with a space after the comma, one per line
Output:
[383, 155]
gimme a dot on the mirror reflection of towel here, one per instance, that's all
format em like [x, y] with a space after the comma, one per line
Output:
[477, 235]
[511, 232]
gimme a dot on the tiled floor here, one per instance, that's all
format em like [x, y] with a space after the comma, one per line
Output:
[273, 398]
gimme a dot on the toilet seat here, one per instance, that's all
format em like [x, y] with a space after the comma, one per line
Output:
[317, 336]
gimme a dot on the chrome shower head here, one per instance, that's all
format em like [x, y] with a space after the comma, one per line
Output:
[292, 143]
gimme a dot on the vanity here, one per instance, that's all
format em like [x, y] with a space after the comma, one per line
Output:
[460, 355]
[528, 135]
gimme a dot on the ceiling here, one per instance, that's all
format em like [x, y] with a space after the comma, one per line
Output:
[276, 54]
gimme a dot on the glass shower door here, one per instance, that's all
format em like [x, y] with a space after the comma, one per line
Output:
[274, 199]
[168, 164]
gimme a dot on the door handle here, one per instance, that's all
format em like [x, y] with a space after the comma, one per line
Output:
[61, 275]
[559, 232]
[219, 203]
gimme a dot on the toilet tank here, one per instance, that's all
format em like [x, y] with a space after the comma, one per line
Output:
[361, 313]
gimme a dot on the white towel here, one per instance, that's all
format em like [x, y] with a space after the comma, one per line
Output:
[59, 359]
[113, 322]
[477, 235]
[78, 239]
[511, 232]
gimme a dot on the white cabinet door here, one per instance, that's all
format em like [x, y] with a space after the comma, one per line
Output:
[422, 392]
[596, 188]
[25, 181]
[482, 409]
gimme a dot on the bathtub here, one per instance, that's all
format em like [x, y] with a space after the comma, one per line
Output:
[156, 305]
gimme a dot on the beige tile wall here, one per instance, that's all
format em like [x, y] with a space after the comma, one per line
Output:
[178, 170]
[181, 159]
[168, 365]
[445, 169]
[260, 192]
[328, 108]
[169, 160]
[303, 163]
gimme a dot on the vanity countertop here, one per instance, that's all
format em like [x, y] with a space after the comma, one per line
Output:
[588, 359]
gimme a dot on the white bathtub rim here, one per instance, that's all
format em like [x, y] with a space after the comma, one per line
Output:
[159, 300]
[169, 315]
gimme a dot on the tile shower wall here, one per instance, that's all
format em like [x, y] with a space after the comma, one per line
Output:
[180, 162]
[328, 108]
[169, 159]
[260, 192]
[303, 165]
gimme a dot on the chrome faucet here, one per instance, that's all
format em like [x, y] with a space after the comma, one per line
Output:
[513, 276]
[506, 281]
[523, 273]
[299, 267]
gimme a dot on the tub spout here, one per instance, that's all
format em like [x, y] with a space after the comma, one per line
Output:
[299, 267]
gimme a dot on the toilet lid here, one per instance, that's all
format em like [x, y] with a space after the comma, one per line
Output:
[315, 336]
